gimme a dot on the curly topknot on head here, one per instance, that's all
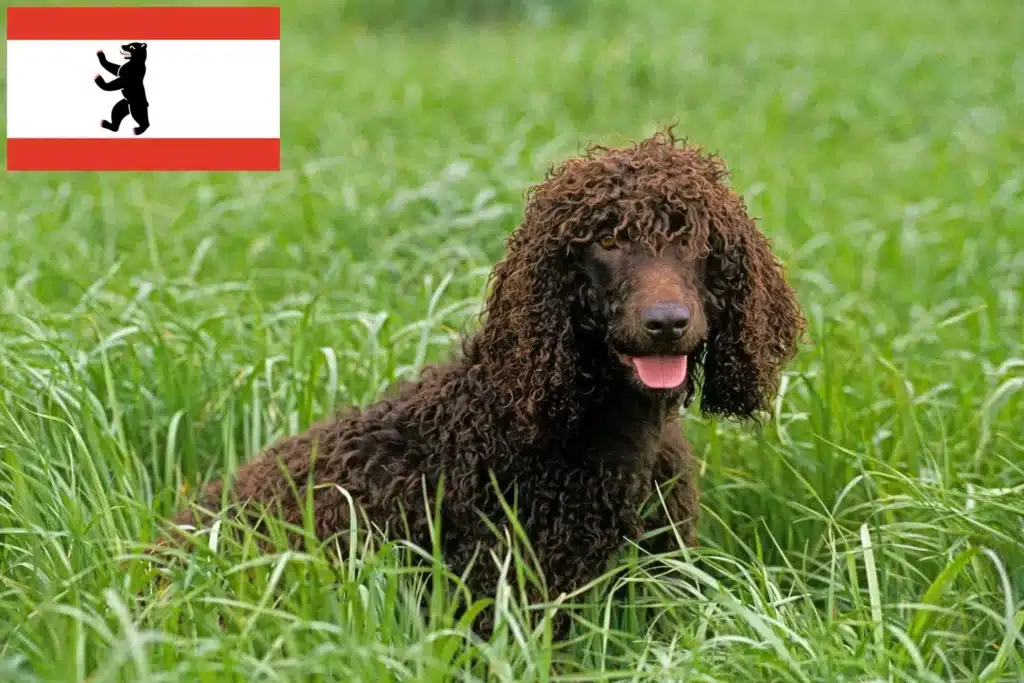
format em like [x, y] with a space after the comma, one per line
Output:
[656, 191]
[653, 190]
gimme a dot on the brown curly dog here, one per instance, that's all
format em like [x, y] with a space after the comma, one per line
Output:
[635, 276]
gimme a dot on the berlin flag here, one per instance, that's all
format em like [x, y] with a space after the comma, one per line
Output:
[143, 88]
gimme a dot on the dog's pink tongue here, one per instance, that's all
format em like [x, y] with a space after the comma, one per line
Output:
[661, 372]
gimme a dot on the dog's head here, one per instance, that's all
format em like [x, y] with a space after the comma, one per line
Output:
[640, 264]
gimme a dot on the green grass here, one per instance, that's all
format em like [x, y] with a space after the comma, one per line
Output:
[160, 329]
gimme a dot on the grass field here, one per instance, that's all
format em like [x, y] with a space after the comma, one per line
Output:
[157, 330]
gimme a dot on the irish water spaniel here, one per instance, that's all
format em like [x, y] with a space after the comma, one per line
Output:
[635, 276]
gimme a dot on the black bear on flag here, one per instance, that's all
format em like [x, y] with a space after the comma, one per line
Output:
[129, 82]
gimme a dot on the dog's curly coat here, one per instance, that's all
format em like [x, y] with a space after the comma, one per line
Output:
[551, 395]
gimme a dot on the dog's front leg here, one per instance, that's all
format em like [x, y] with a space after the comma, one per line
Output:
[675, 512]
[493, 565]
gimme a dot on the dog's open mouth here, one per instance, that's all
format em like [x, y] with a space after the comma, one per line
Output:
[658, 372]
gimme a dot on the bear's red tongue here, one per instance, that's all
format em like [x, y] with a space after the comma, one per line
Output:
[660, 372]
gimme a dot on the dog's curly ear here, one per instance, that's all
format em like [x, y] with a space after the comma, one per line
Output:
[526, 346]
[758, 323]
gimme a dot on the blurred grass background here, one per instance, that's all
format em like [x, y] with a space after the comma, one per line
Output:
[158, 329]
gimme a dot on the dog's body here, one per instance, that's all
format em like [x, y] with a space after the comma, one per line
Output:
[634, 270]
[578, 499]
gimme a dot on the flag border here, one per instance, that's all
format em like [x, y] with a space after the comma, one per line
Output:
[155, 154]
[144, 23]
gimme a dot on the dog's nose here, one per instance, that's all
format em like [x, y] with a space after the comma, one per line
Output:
[666, 321]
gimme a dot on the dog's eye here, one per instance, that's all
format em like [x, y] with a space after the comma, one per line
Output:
[608, 242]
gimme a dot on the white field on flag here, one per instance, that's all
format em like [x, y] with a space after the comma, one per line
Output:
[195, 88]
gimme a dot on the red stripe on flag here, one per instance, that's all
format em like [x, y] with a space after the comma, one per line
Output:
[157, 154]
[143, 23]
